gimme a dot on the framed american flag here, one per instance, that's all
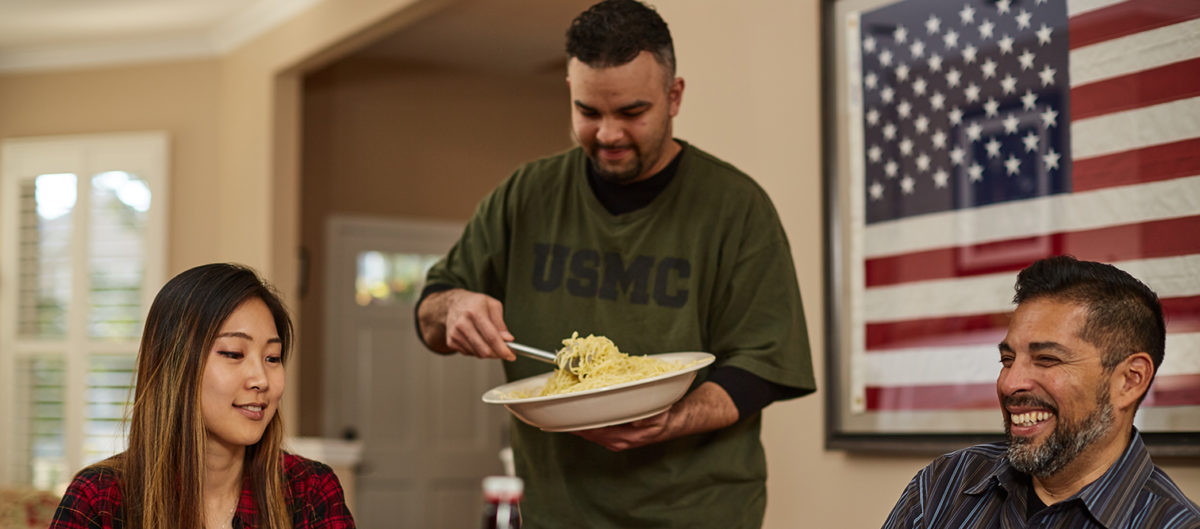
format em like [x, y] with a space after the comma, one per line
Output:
[967, 139]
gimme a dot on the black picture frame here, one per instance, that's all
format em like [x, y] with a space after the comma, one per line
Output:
[1172, 444]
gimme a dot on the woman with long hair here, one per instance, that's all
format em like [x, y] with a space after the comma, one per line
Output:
[205, 432]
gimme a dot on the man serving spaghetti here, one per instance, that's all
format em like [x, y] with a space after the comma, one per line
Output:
[657, 245]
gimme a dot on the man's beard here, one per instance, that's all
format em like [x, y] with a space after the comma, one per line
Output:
[1064, 444]
[617, 177]
[641, 158]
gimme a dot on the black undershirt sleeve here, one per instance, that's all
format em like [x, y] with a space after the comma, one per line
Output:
[750, 393]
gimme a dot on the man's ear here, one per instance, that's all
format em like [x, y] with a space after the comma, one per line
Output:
[675, 96]
[1132, 380]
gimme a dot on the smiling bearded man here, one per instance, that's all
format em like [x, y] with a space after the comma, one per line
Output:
[1080, 354]
[1065, 443]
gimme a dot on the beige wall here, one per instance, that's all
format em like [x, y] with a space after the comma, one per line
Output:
[388, 140]
[752, 98]
[179, 98]
[382, 138]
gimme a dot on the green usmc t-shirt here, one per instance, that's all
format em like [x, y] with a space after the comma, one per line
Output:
[704, 267]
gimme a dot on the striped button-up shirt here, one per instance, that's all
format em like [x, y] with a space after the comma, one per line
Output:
[977, 488]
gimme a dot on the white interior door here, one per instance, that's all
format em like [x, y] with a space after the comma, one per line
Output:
[427, 438]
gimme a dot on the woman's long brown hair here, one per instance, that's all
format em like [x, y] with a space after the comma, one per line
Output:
[162, 470]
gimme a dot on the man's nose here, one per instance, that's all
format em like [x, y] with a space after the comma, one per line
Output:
[1018, 376]
[611, 132]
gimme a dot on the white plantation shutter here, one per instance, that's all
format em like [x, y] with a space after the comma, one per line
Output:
[120, 204]
[39, 428]
[106, 414]
[44, 256]
[81, 255]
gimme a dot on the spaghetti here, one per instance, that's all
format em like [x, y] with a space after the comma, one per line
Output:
[594, 362]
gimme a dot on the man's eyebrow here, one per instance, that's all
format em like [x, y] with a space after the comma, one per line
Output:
[636, 105]
[1037, 347]
[1048, 346]
[244, 336]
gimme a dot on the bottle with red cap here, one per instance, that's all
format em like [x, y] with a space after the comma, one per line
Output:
[502, 502]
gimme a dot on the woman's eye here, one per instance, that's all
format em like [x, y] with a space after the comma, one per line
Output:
[230, 354]
[275, 359]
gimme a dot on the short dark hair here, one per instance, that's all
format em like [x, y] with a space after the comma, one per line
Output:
[614, 32]
[1124, 315]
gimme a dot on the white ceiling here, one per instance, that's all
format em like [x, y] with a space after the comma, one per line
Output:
[510, 35]
[40, 22]
[57, 34]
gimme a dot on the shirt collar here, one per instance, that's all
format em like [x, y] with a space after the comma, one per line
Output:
[1121, 480]
[1001, 474]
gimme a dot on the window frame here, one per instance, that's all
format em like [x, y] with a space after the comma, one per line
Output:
[145, 154]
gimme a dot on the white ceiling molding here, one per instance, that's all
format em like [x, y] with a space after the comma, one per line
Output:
[258, 18]
[109, 53]
[205, 39]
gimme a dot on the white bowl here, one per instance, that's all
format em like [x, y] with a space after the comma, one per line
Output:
[593, 408]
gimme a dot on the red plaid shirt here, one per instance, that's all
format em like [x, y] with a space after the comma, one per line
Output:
[93, 501]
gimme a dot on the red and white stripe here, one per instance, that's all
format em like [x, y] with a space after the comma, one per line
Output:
[1135, 142]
